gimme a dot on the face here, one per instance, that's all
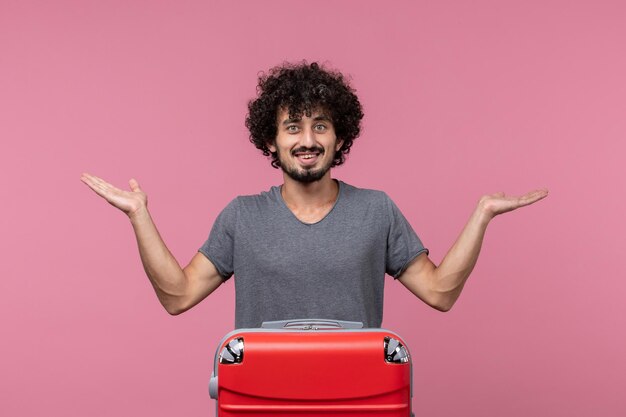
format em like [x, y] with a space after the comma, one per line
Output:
[305, 146]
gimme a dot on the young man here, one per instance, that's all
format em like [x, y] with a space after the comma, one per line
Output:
[314, 247]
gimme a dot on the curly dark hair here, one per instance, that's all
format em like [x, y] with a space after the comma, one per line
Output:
[300, 89]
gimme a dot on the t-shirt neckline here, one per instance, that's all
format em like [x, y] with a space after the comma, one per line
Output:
[280, 198]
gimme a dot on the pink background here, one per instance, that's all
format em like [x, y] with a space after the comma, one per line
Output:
[461, 99]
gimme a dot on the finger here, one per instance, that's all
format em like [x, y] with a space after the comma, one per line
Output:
[532, 197]
[134, 185]
[86, 178]
[100, 187]
[97, 188]
[89, 180]
[536, 195]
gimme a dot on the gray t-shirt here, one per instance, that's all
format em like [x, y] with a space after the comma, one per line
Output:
[332, 269]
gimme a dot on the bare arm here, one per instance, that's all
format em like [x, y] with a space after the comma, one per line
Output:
[440, 286]
[178, 289]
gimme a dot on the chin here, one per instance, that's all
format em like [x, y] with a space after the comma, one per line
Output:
[305, 176]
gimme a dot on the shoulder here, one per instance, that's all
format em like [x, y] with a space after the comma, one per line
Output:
[377, 202]
[364, 195]
[254, 206]
[249, 209]
[264, 198]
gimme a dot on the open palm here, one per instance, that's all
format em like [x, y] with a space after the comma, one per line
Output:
[499, 203]
[127, 201]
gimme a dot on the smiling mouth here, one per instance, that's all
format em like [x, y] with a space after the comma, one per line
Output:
[307, 158]
[307, 155]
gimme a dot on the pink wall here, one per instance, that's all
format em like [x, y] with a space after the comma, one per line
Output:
[461, 98]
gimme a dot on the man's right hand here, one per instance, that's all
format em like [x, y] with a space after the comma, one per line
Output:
[130, 202]
[178, 289]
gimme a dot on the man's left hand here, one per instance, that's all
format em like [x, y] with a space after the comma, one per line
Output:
[498, 203]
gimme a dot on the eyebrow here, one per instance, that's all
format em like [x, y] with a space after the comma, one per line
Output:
[321, 117]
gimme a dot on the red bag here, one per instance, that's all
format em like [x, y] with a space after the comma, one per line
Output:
[310, 368]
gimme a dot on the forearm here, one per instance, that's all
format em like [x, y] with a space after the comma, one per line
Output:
[440, 286]
[450, 276]
[164, 272]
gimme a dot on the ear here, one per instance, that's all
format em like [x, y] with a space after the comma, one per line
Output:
[271, 146]
[338, 145]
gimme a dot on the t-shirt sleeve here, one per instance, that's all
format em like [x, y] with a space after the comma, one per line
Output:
[403, 244]
[220, 245]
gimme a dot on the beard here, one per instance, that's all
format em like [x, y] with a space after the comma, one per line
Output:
[305, 175]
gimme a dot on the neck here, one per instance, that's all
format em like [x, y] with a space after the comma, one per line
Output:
[309, 195]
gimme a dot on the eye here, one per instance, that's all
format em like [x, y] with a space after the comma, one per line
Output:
[320, 127]
[292, 128]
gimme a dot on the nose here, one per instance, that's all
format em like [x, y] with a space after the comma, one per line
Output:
[308, 138]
